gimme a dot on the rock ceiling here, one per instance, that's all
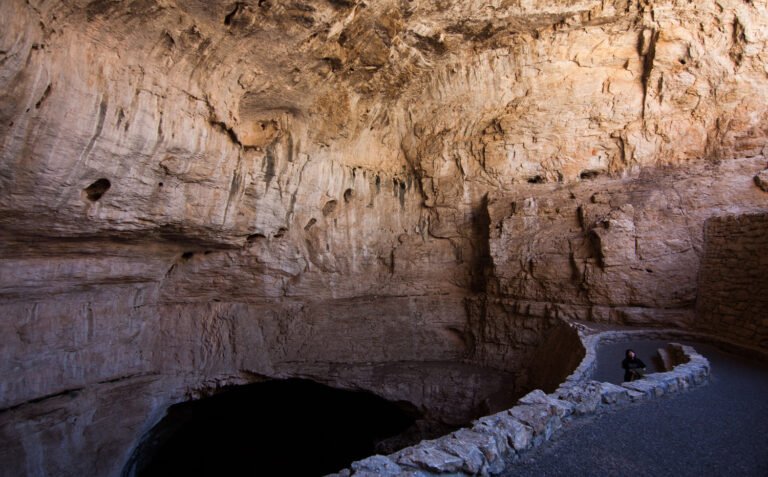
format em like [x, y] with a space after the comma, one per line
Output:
[201, 193]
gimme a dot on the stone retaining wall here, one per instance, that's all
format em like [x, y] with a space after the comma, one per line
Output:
[733, 283]
[496, 441]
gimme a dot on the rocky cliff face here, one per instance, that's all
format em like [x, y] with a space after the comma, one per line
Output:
[393, 195]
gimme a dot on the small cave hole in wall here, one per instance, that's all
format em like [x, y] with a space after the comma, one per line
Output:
[292, 427]
[348, 195]
[97, 190]
[254, 238]
[537, 180]
[329, 207]
[589, 174]
[235, 10]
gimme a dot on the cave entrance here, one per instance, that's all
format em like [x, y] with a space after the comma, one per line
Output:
[290, 427]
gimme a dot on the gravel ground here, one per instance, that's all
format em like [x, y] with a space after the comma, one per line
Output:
[718, 429]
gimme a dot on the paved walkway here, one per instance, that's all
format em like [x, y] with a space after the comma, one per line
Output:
[718, 429]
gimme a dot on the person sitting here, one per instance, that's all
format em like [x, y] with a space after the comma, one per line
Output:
[634, 368]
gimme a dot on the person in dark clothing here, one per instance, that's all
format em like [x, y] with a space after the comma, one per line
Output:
[634, 368]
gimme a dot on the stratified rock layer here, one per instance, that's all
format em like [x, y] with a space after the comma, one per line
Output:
[394, 196]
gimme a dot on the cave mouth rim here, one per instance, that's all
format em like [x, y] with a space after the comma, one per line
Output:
[149, 445]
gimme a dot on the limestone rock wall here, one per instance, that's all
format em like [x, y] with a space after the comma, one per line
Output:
[619, 86]
[623, 251]
[733, 285]
[202, 193]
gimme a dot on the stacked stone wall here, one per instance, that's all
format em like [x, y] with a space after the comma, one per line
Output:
[496, 442]
[733, 282]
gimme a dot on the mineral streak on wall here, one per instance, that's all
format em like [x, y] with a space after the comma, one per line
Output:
[384, 195]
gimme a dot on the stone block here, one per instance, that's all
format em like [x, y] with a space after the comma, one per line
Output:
[518, 435]
[647, 388]
[663, 383]
[612, 394]
[678, 354]
[472, 458]
[683, 380]
[540, 418]
[635, 396]
[666, 359]
[584, 397]
[493, 449]
[378, 465]
[410, 472]
[560, 407]
[699, 374]
[673, 383]
[426, 456]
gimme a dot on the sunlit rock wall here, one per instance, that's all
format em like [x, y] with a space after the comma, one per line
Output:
[616, 251]
[202, 193]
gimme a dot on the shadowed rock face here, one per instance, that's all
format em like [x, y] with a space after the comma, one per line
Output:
[400, 197]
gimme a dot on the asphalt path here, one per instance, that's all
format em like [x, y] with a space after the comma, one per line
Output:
[718, 429]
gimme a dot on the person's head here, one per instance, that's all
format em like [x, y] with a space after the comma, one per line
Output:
[630, 354]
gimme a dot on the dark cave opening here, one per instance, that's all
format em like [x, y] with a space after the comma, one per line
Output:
[291, 427]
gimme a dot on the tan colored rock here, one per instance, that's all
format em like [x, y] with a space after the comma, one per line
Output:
[202, 193]
[640, 248]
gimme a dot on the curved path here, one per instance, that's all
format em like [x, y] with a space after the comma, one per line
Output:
[718, 429]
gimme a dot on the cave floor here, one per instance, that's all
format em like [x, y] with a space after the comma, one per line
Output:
[718, 429]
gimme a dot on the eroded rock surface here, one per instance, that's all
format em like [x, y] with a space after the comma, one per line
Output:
[623, 251]
[195, 194]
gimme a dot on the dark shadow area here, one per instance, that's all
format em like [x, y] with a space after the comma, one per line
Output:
[96, 190]
[481, 251]
[555, 358]
[291, 427]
